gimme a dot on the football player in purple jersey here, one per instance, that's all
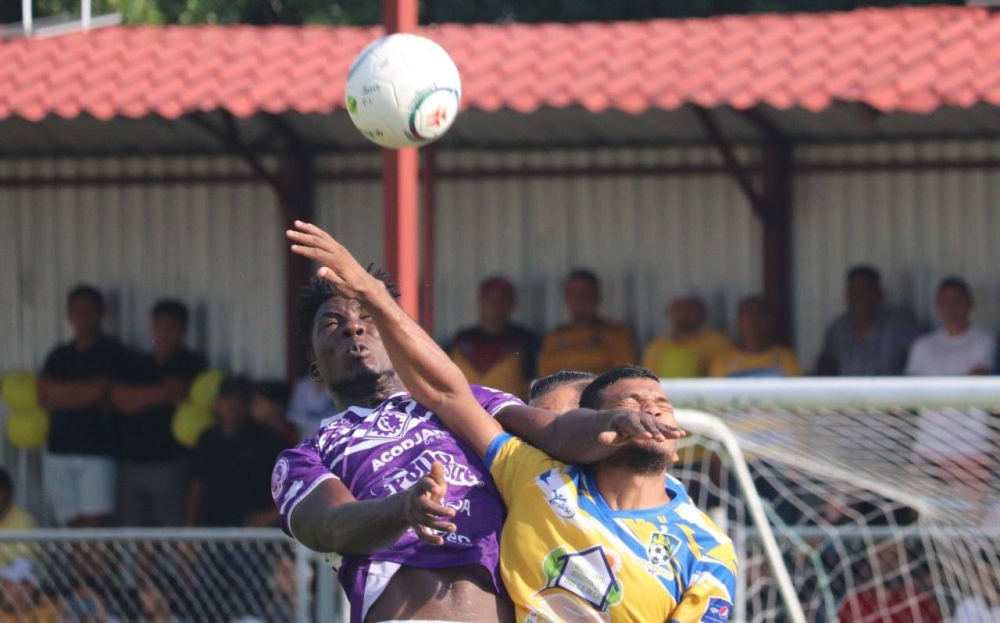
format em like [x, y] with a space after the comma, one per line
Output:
[409, 507]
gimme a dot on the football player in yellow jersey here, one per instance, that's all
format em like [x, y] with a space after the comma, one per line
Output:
[608, 541]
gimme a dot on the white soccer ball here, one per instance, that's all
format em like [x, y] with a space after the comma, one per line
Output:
[403, 90]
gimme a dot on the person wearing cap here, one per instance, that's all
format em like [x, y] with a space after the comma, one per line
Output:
[21, 600]
[691, 345]
[232, 464]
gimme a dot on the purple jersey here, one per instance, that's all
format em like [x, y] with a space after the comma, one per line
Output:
[382, 451]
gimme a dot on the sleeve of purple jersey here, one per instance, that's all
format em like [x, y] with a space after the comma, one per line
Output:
[494, 400]
[296, 473]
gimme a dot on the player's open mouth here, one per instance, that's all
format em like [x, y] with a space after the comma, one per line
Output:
[359, 351]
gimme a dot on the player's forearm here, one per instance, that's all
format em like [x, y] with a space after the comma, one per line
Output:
[572, 437]
[136, 399]
[430, 376]
[352, 529]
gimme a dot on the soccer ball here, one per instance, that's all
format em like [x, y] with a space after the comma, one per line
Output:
[403, 91]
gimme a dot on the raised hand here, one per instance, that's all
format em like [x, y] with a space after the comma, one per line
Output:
[424, 507]
[629, 425]
[347, 277]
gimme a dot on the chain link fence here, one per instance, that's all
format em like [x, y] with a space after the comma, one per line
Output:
[165, 576]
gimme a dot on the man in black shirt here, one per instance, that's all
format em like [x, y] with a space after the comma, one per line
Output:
[75, 387]
[154, 466]
[232, 465]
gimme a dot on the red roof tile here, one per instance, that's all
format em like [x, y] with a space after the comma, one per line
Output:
[900, 59]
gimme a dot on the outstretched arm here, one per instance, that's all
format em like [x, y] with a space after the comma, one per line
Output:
[428, 373]
[434, 380]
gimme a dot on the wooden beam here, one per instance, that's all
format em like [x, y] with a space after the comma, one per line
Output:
[297, 178]
[428, 189]
[777, 222]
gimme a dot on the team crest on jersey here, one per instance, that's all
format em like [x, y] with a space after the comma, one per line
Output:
[389, 425]
[278, 477]
[662, 547]
[588, 574]
[557, 493]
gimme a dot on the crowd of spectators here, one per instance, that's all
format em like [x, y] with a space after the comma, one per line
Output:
[870, 338]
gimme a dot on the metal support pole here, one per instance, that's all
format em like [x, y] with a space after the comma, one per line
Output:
[400, 188]
[85, 14]
[27, 17]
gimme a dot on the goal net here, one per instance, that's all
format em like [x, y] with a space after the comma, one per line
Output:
[882, 495]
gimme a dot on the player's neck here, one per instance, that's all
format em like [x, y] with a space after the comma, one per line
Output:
[368, 393]
[624, 489]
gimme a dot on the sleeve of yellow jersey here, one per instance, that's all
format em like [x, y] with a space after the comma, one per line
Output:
[709, 597]
[514, 464]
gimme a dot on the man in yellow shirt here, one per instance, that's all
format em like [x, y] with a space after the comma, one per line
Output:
[588, 342]
[758, 355]
[690, 346]
[11, 518]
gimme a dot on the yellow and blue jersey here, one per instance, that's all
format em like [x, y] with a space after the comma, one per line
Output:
[565, 555]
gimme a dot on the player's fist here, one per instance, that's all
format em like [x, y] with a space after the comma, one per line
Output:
[628, 425]
[425, 507]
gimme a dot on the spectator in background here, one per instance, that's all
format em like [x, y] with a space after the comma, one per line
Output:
[690, 346]
[155, 468]
[895, 593]
[757, 354]
[957, 348]
[983, 606]
[559, 392]
[232, 465]
[75, 387]
[310, 404]
[870, 339]
[587, 343]
[12, 518]
[21, 600]
[496, 353]
[955, 443]
[270, 408]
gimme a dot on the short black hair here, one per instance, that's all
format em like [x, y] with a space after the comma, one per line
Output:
[317, 292]
[586, 275]
[591, 396]
[865, 270]
[237, 386]
[955, 282]
[496, 281]
[275, 392]
[542, 386]
[172, 308]
[86, 291]
[6, 482]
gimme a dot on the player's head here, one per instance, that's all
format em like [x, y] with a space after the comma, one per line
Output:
[348, 353]
[954, 302]
[85, 310]
[170, 325]
[638, 389]
[559, 392]
[497, 300]
[864, 291]
[582, 294]
[686, 312]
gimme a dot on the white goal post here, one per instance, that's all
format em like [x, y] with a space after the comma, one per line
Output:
[849, 495]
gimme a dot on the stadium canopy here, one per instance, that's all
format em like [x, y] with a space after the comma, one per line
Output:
[860, 75]
[767, 81]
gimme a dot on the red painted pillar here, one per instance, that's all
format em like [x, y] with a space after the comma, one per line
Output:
[400, 187]
[427, 189]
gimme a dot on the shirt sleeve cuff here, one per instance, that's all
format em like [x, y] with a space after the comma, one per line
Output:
[491, 453]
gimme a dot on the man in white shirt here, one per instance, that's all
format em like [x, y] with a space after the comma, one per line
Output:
[956, 444]
[957, 348]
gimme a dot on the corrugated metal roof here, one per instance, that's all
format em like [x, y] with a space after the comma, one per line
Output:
[218, 247]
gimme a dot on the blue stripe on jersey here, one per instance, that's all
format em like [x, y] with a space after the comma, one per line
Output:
[495, 445]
